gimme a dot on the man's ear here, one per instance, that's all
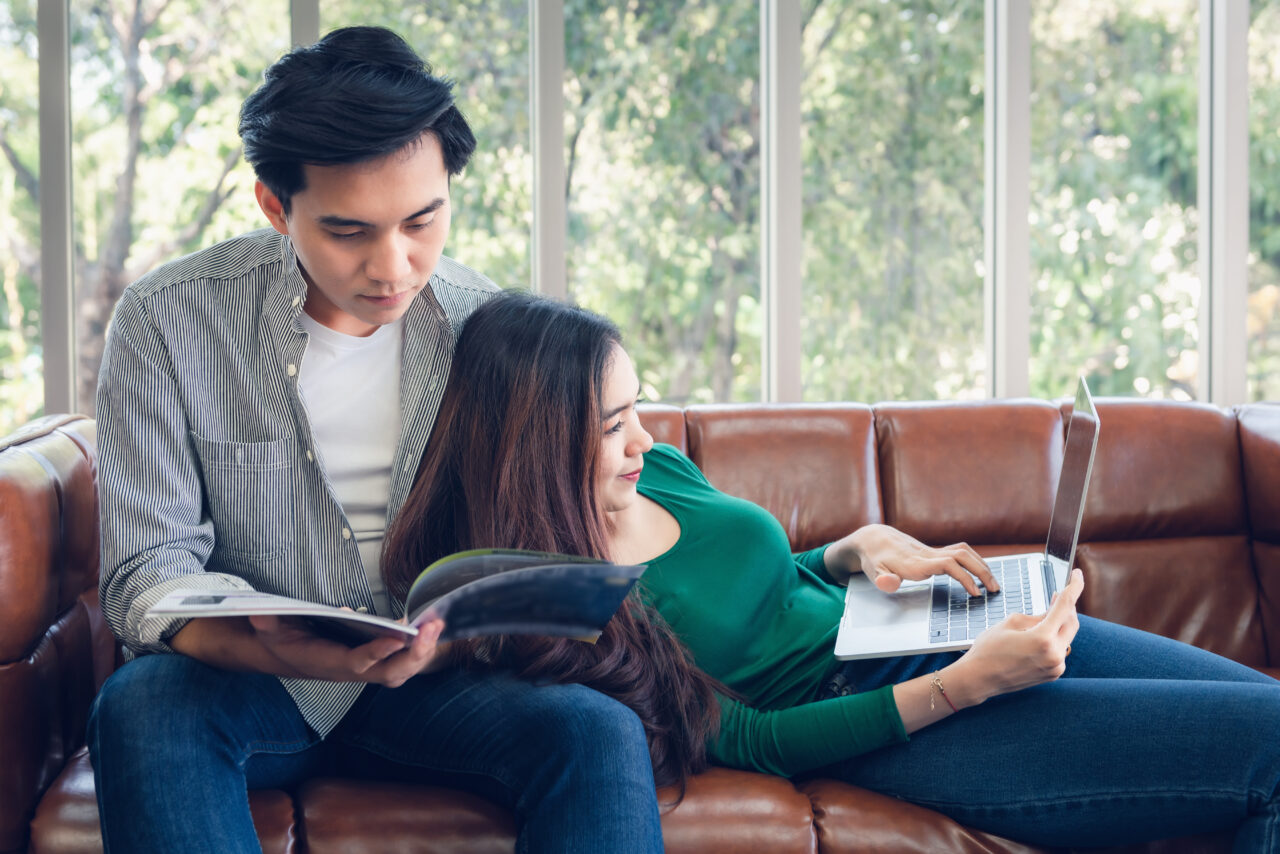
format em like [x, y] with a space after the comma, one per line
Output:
[271, 207]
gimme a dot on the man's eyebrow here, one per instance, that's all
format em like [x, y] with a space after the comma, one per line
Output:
[334, 221]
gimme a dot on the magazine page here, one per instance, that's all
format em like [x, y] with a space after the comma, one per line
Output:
[460, 568]
[564, 600]
[481, 592]
[352, 627]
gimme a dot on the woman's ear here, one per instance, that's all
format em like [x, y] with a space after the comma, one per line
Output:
[272, 207]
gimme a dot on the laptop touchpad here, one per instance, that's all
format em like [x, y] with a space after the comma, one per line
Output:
[868, 607]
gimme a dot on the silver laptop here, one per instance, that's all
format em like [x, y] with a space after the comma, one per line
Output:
[937, 615]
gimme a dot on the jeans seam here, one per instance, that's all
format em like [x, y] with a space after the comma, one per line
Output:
[1076, 800]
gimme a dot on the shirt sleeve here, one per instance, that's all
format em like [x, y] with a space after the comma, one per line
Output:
[809, 736]
[155, 534]
[815, 560]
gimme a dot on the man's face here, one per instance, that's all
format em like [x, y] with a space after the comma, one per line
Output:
[367, 235]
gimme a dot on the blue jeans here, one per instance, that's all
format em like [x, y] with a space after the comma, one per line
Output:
[1142, 738]
[176, 745]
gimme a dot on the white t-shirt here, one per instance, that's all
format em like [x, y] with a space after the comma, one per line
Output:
[351, 388]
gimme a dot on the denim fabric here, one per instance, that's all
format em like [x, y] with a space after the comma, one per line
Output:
[176, 745]
[1143, 738]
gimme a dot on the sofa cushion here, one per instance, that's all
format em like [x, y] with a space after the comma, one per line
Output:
[820, 482]
[859, 821]
[982, 473]
[723, 811]
[1164, 469]
[1159, 586]
[67, 819]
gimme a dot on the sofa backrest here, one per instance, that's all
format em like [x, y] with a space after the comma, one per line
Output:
[55, 650]
[1259, 429]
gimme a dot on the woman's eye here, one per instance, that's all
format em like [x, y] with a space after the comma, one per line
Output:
[616, 428]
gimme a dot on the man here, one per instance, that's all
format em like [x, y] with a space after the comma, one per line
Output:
[261, 411]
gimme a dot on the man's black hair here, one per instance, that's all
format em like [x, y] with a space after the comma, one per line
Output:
[358, 94]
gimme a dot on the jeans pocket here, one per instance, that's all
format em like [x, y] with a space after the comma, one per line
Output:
[249, 496]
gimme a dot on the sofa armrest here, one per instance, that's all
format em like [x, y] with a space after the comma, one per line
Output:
[54, 649]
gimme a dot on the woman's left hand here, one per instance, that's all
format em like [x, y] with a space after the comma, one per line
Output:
[887, 556]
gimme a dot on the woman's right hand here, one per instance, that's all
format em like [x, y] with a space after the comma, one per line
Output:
[1019, 652]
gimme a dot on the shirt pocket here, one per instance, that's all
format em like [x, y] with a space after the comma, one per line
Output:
[249, 496]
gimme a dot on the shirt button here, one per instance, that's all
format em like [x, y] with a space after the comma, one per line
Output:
[346, 533]
[310, 456]
[292, 370]
[296, 301]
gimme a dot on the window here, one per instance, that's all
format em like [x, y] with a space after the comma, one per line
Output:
[663, 192]
[663, 173]
[893, 192]
[1263, 324]
[21, 384]
[1115, 285]
[156, 90]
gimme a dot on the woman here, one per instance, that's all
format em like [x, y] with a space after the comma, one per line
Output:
[538, 445]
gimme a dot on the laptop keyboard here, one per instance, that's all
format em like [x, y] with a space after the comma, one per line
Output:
[957, 616]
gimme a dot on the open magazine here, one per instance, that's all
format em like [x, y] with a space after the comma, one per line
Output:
[477, 592]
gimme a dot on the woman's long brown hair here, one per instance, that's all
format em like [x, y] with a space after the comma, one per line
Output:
[511, 463]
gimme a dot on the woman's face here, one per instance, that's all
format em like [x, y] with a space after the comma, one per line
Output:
[623, 439]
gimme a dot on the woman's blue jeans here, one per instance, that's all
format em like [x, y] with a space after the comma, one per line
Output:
[1142, 738]
[176, 745]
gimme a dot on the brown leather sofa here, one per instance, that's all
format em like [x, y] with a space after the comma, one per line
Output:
[1181, 536]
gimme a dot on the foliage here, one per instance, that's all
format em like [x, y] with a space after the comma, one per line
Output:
[662, 127]
[1263, 323]
[1115, 282]
[663, 145]
[21, 390]
[893, 200]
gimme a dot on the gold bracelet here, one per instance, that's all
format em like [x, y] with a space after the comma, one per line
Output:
[936, 682]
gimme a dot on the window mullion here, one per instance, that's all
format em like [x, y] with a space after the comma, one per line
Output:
[1007, 197]
[781, 239]
[57, 284]
[304, 22]
[546, 100]
[1224, 200]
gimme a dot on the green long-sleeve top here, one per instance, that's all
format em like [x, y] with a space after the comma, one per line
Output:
[761, 620]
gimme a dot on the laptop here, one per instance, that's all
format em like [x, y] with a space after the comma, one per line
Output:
[938, 615]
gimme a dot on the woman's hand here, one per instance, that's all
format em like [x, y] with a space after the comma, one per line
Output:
[1019, 652]
[888, 557]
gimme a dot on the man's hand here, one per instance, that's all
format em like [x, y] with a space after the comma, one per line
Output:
[386, 661]
[888, 557]
[284, 647]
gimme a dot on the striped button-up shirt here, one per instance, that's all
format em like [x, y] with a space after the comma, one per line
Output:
[208, 475]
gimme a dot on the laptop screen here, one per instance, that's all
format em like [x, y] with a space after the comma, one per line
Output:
[1073, 480]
